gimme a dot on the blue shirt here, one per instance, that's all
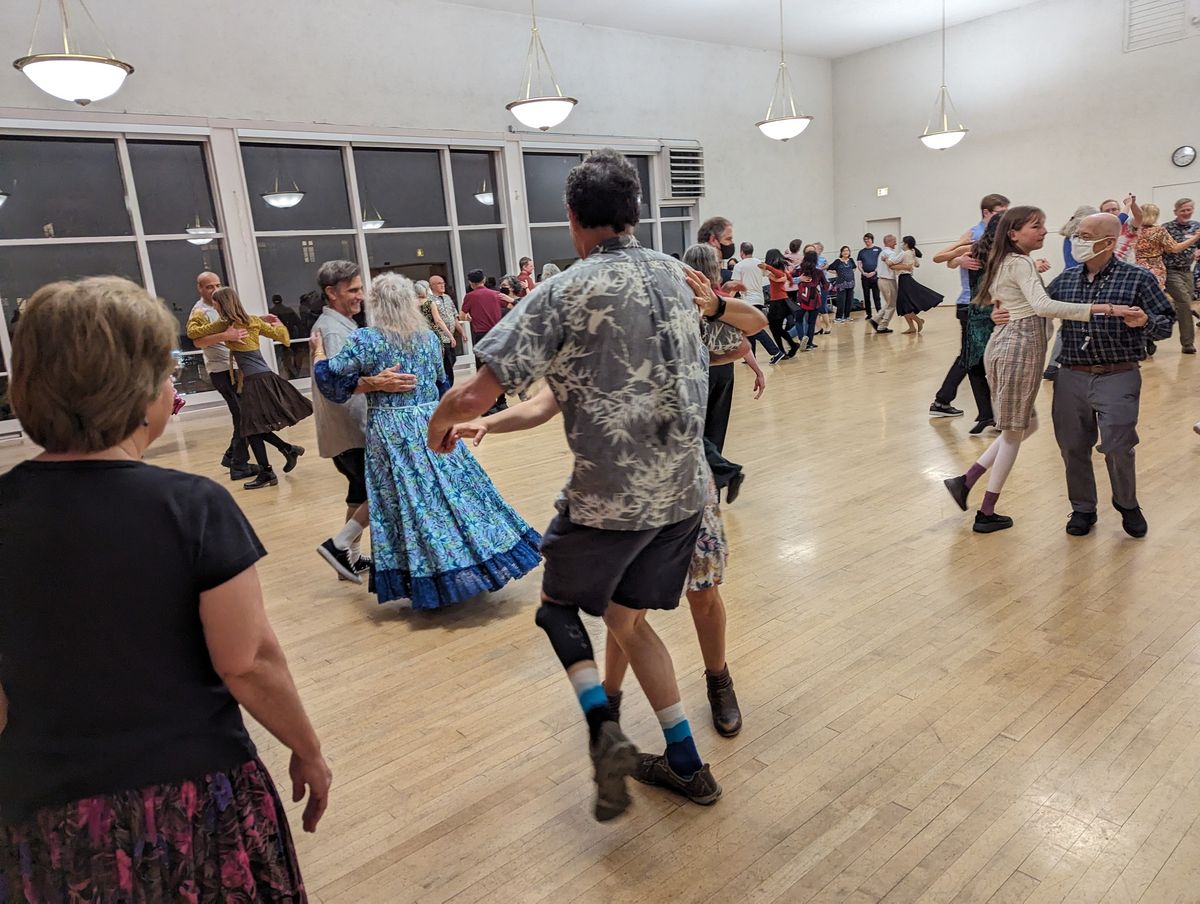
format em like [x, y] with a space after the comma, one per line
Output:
[964, 297]
[869, 258]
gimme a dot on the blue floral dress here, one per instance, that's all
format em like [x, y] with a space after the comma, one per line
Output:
[440, 530]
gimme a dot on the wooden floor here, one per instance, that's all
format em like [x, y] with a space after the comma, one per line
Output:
[930, 715]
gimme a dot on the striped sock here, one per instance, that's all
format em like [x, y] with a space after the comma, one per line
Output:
[682, 756]
[592, 699]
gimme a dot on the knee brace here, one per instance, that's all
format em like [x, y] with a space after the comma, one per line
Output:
[567, 634]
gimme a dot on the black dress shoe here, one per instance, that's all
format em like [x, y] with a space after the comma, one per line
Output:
[982, 425]
[957, 486]
[1133, 521]
[227, 460]
[734, 488]
[265, 478]
[243, 473]
[1080, 523]
[989, 524]
[291, 455]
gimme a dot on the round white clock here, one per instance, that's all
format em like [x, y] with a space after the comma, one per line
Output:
[1184, 156]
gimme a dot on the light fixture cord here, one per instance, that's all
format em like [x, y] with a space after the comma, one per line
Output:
[783, 79]
[37, 18]
[92, 19]
[537, 54]
[943, 43]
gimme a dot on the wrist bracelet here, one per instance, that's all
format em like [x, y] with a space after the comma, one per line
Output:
[720, 312]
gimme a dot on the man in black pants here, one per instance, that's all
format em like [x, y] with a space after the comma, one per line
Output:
[216, 362]
[718, 232]
[868, 267]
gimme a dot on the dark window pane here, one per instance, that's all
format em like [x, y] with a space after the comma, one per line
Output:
[175, 266]
[172, 185]
[475, 175]
[417, 255]
[6, 413]
[25, 270]
[289, 269]
[675, 237]
[404, 187]
[484, 249]
[192, 375]
[675, 212]
[645, 235]
[545, 181]
[643, 168]
[316, 171]
[293, 362]
[61, 187]
[553, 245]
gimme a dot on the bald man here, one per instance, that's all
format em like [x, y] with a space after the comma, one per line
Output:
[216, 362]
[1098, 387]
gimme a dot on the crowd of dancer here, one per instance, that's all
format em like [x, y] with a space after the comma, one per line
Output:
[132, 776]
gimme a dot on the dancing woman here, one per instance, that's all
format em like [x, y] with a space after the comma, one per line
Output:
[268, 402]
[912, 298]
[780, 307]
[1015, 354]
[440, 531]
[811, 284]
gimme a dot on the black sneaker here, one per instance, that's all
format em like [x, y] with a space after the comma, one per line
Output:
[777, 357]
[1080, 523]
[885, 330]
[264, 478]
[1133, 521]
[874, 323]
[980, 426]
[292, 455]
[363, 564]
[613, 759]
[734, 488]
[937, 409]
[791, 353]
[339, 560]
[989, 524]
[959, 492]
[243, 473]
[701, 788]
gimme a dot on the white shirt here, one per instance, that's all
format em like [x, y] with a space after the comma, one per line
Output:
[883, 271]
[749, 275]
[216, 357]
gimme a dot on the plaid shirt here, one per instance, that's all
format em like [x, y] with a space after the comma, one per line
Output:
[1107, 340]
[1180, 260]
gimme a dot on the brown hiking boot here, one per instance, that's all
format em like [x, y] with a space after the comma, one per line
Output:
[701, 788]
[726, 715]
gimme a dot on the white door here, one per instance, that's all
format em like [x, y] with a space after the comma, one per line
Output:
[880, 228]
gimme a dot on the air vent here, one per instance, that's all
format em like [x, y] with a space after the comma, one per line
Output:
[686, 166]
[1149, 23]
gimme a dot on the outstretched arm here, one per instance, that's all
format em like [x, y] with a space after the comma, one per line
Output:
[533, 412]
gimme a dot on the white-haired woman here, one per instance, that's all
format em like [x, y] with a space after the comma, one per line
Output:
[440, 531]
[1068, 230]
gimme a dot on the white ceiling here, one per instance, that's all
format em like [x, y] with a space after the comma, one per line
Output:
[826, 28]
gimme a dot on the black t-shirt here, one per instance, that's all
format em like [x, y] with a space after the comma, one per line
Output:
[102, 653]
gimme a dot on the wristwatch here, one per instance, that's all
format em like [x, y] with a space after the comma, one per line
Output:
[713, 318]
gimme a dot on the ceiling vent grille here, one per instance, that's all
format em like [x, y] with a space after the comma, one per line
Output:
[1149, 23]
[686, 168]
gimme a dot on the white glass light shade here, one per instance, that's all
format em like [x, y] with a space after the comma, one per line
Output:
[940, 141]
[485, 197]
[542, 112]
[76, 77]
[944, 129]
[204, 234]
[373, 224]
[784, 128]
[282, 199]
[3, 197]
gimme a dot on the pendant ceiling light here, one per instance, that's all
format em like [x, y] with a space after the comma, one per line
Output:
[783, 122]
[375, 222]
[3, 197]
[484, 195]
[203, 233]
[283, 198]
[536, 108]
[73, 76]
[944, 129]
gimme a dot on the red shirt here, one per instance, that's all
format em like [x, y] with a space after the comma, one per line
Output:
[527, 280]
[778, 289]
[485, 307]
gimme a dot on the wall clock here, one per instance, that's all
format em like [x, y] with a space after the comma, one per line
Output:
[1184, 156]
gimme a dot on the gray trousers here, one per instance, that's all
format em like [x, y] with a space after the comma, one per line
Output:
[887, 288]
[1089, 404]
[1181, 286]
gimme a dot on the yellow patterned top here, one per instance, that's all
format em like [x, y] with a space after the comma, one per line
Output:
[199, 326]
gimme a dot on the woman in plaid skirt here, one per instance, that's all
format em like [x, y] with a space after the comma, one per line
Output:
[1015, 354]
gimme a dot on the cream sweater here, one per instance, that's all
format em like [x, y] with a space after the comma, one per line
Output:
[1018, 286]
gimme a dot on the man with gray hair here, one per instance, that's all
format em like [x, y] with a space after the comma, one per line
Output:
[341, 428]
[1181, 284]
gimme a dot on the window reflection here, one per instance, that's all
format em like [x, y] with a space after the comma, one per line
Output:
[404, 187]
[314, 170]
[172, 184]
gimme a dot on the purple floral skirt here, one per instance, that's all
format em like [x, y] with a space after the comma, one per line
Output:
[223, 838]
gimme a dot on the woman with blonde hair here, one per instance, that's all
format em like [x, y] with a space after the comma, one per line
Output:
[1153, 241]
[1015, 353]
[126, 772]
[440, 530]
[268, 402]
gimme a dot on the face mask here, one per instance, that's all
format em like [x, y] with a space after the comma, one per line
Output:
[727, 251]
[1083, 251]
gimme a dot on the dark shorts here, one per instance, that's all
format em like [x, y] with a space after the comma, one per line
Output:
[589, 567]
[352, 464]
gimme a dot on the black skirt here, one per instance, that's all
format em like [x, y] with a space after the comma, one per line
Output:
[912, 297]
[270, 403]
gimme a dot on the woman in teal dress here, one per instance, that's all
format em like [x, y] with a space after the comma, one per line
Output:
[440, 530]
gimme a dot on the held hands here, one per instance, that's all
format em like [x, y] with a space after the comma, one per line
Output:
[1136, 318]
[705, 298]
[1042, 265]
[999, 315]
[316, 775]
[474, 430]
[316, 346]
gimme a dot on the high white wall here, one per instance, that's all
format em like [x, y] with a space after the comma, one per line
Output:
[422, 64]
[1059, 117]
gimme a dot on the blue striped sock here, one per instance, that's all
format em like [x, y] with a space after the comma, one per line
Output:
[682, 755]
[588, 689]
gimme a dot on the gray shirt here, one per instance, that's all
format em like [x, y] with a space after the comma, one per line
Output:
[216, 357]
[617, 340]
[339, 427]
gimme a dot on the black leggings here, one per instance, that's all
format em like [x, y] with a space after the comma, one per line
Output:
[845, 301]
[777, 313]
[258, 446]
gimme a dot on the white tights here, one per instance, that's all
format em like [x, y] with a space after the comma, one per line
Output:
[1001, 455]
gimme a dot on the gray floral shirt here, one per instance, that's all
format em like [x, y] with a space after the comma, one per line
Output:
[617, 339]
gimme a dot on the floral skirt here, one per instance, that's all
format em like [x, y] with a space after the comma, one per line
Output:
[707, 568]
[223, 838]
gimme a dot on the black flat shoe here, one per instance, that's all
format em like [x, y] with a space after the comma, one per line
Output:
[291, 456]
[1133, 521]
[957, 486]
[265, 478]
[1080, 523]
[243, 473]
[989, 524]
[980, 426]
[227, 460]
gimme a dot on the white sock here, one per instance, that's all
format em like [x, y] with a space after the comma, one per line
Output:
[347, 537]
